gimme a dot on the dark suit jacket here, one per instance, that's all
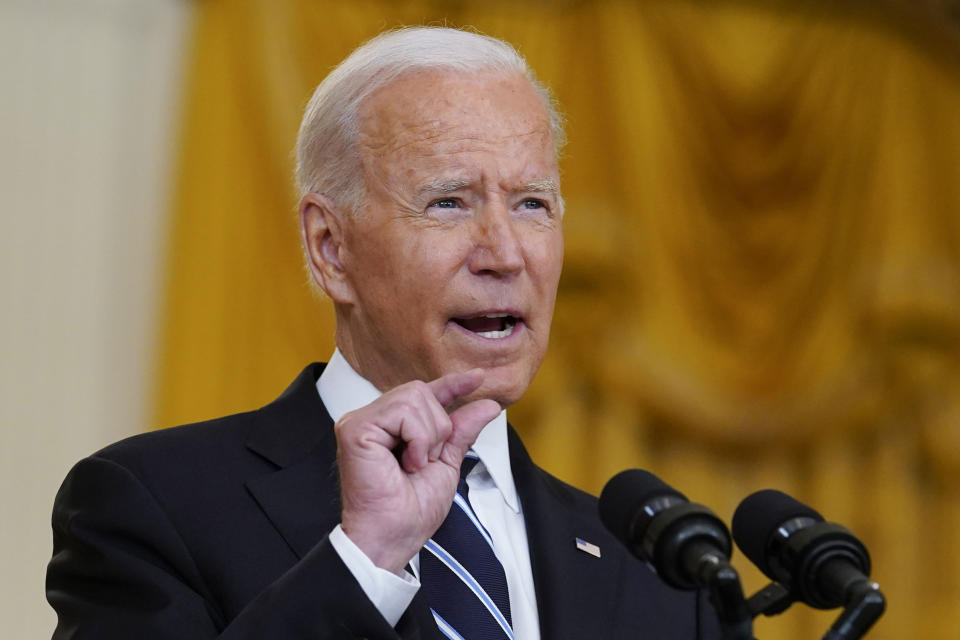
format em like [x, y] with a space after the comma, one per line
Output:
[219, 530]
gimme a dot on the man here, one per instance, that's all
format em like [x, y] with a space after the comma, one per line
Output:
[431, 216]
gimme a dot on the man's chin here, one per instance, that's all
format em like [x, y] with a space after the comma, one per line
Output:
[503, 387]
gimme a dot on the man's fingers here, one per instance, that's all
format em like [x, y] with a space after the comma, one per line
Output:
[449, 388]
[468, 421]
[417, 441]
[415, 417]
[422, 426]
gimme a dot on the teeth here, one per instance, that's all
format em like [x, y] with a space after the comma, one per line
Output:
[497, 334]
[510, 326]
[496, 315]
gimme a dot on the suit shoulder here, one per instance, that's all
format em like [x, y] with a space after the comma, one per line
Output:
[571, 495]
[187, 440]
[292, 415]
[184, 463]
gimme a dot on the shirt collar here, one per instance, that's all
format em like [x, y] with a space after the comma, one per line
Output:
[342, 390]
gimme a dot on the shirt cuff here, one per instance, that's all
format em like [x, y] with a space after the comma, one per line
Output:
[390, 594]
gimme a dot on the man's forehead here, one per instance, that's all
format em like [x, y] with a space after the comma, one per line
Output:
[420, 106]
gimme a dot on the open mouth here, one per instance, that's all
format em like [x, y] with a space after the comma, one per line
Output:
[490, 325]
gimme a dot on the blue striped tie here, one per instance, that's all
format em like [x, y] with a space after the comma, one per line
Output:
[462, 579]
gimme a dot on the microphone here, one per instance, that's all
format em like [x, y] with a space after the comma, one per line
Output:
[686, 543]
[821, 563]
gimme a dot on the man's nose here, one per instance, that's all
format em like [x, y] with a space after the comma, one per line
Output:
[498, 246]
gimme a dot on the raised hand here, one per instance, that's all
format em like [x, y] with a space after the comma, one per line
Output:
[399, 459]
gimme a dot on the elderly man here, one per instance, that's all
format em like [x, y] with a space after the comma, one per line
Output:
[431, 217]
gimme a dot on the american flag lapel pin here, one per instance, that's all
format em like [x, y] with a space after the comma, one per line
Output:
[588, 547]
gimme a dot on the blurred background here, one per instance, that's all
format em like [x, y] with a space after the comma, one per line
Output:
[761, 286]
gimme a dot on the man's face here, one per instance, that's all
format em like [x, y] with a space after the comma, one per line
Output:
[454, 260]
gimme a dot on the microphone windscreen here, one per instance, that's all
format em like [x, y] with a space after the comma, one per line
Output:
[759, 516]
[625, 494]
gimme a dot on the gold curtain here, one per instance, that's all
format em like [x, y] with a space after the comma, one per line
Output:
[762, 280]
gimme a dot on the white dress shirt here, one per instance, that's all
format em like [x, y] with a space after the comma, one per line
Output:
[493, 496]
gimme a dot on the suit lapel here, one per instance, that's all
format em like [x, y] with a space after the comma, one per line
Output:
[299, 502]
[301, 498]
[575, 590]
[295, 433]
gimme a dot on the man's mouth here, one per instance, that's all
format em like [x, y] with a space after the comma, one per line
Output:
[490, 325]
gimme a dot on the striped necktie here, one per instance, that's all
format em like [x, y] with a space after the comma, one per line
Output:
[461, 577]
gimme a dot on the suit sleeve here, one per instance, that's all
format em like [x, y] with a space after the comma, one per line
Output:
[120, 570]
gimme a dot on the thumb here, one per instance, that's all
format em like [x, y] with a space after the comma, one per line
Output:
[468, 421]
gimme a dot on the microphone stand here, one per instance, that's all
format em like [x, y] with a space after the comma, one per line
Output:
[726, 594]
[866, 604]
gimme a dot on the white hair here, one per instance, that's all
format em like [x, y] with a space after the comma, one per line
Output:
[327, 159]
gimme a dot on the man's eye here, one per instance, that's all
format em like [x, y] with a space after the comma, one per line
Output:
[445, 203]
[533, 203]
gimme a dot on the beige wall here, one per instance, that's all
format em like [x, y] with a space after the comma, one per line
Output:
[87, 119]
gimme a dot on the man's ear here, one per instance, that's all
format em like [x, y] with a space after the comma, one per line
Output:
[321, 230]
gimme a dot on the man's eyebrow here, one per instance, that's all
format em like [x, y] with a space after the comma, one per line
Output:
[544, 185]
[444, 186]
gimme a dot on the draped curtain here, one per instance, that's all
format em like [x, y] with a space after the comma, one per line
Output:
[762, 277]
